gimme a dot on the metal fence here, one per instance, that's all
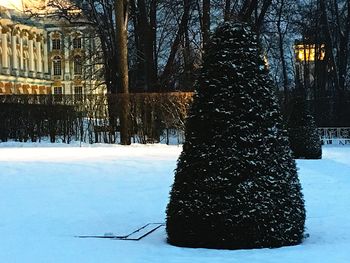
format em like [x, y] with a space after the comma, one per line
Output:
[335, 135]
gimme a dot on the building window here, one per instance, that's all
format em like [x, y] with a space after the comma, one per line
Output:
[58, 93]
[78, 65]
[77, 42]
[57, 66]
[56, 44]
[57, 90]
[78, 90]
[78, 93]
[309, 52]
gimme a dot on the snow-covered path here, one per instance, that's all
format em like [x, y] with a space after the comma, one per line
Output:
[48, 195]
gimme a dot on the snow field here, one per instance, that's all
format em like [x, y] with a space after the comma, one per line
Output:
[51, 193]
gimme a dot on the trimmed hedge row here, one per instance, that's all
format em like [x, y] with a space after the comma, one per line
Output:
[94, 118]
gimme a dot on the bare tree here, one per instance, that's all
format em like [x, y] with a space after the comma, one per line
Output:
[182, 28]
[206, 22]
[144, 21]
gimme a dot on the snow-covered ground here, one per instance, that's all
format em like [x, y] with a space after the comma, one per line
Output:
[50, 194]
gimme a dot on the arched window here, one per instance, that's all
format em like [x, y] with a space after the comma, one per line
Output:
[78, 65]
[77, 42]
[57, 65]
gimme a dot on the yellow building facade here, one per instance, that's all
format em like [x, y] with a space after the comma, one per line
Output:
[43, 57]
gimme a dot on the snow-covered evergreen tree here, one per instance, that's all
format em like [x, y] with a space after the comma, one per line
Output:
[236, 184]
[303, 136]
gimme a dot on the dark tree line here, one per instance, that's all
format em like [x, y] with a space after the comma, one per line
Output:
[158, 45]
[323, 24]
[166, 38]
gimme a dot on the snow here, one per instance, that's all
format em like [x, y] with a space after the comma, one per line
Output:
[50, 193]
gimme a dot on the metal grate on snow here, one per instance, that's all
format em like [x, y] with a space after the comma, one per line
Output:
[136, 235]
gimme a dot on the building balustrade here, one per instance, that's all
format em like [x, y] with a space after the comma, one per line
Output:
[32, 74]
[15, 72]
[5, 71]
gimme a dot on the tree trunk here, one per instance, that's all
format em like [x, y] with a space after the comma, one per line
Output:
[227, 10]
[343, 50]
[153, 37]
[121, 13]
[183, 26]
[145, 31]
[260, 18]
[248, 9]
[252, 6]
[206, 23]
[281, 51]
[329, 45]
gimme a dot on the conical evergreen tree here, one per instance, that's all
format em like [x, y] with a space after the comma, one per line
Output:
[236, 184]
[303, 136]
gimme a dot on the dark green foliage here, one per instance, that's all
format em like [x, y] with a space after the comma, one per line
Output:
[89, 118]
[30, 122]
[303, 136]
[236, 184]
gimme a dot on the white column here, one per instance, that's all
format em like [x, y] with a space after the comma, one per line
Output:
[88, 45]
[39, 67]
[66, 55]
[1, 64]
[21, 53]
[14, 52]
[46, 59]
[4, 58]
[31, 54]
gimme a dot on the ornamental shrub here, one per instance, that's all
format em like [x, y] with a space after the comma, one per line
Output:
[236, 183]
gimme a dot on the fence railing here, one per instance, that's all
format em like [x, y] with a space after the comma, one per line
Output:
[334, 135]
